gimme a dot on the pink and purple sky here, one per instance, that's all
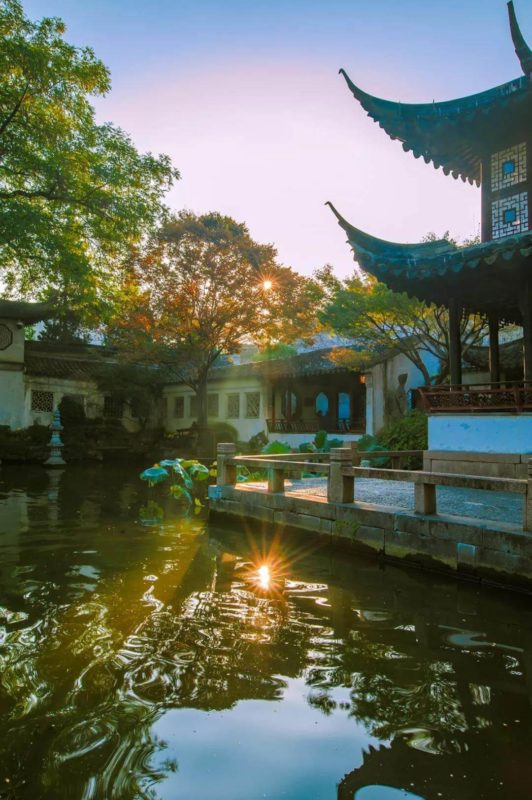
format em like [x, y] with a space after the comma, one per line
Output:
[245, 96]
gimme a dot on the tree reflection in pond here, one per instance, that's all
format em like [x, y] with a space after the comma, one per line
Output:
[118, 643]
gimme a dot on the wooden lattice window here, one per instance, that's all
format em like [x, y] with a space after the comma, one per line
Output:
[179, 407]
[113, 407]
[252, 405]
[42, 401]
[233, 406]
[213, 405]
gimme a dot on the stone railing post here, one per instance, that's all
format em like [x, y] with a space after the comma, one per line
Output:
[527, 509]
[425, 498]
[226, 473]
[275, 480]
[340, 488]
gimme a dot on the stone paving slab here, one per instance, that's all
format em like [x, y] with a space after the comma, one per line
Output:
[495, 506]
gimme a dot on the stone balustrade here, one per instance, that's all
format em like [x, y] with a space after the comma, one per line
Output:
[467, 546]
[342, 474]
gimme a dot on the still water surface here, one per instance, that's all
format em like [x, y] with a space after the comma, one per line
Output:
[186, 662]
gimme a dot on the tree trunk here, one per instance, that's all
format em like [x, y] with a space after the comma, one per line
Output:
[201, 399]
[206, 446]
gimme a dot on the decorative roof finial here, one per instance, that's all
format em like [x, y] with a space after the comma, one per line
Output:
[523, 51]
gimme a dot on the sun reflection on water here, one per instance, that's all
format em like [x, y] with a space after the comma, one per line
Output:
[264, 577]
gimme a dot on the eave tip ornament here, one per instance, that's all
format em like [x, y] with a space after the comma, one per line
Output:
[522, 50]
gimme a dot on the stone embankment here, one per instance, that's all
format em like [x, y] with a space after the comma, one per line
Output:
[498, 551]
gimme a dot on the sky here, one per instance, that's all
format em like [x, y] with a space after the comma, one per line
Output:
[245, 97]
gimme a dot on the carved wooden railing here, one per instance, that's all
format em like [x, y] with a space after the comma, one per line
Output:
[513, 397]
[315, 425]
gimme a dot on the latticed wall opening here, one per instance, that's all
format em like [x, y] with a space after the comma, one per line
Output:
[508, 167]
[509, 215]
[113, 407]
[179, 407]
[42, 400]
[233, 406]
[252, 405]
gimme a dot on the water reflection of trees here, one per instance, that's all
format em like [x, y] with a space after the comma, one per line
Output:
[422, 663]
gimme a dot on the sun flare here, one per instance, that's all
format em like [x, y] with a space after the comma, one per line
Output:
[264, 576]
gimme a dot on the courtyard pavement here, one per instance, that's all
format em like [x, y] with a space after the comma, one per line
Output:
[494, 506]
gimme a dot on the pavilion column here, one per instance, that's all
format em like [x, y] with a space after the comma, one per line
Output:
[493, 327]
[455, 342]
[526, 313]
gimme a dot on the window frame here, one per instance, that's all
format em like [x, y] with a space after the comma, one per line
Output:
[41, 392]
[180, 398]
[231, 396]
[247, 395]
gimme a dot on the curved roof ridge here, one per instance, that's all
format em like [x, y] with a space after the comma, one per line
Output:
[522, 50]
[473, 101]
[378, 246]
[447, 132]
[25, 311]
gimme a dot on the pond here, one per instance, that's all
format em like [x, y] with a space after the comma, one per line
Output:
[187, 661]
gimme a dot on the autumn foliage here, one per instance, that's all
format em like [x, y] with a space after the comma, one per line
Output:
[202, 288]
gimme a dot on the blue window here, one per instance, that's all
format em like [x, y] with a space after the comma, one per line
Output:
[509, 216]
[508, 167]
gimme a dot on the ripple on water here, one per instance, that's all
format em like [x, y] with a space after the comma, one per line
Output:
[82, 738]
[101, 690]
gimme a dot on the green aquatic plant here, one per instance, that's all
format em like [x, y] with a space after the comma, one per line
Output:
[183, 475]
[151, 513]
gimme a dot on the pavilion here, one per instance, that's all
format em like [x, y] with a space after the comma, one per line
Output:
[485, 139]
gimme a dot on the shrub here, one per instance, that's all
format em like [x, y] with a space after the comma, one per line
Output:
[72, 411]
[406, 433]
[257, 443]
[224, 432]
[276, 448]
[320, 440]
[307, 447]
[369, 444]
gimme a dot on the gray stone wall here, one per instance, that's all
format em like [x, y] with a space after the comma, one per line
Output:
[495, 553]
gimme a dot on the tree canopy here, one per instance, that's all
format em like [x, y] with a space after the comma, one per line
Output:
[74, 194]
[202, 288]
[364, 309]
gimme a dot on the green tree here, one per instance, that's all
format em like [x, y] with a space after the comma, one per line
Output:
[203, 288]
[136, 385]
[278, 350]
[74, 195]
[363, 308]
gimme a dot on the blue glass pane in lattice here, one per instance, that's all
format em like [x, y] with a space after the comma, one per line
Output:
[509, 216]
[508, 167]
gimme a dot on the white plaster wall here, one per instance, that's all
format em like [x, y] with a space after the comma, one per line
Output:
[246, 427]
[385, 381]
[14, 353]
[12, 409]
[93, 400]
[59, 387]
[481, 433]
[12, 378]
